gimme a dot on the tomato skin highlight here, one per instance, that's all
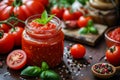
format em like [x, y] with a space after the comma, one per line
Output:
[113, 55]
[16, 59]
[6, 43]
[77, 51]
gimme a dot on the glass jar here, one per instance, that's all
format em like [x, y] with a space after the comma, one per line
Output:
[46, 47]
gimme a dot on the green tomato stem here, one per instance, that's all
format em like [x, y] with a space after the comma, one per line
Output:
[9, 20]
[17, 3]
[112, 49]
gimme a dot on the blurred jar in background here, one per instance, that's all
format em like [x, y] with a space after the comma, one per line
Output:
[104, 11]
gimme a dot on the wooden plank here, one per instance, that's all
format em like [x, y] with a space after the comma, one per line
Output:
[89, 39]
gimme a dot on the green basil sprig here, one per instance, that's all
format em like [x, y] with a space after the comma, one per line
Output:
[44, 18]
[89, 28]
[44, 73]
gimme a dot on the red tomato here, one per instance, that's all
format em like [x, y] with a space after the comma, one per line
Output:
[4, 27]
[16, 59]
[6, 43]
[23, 8]
[113, 55]
[77, 51]
[83, 21]
[57, 11]
[17, 34]
[67, 15]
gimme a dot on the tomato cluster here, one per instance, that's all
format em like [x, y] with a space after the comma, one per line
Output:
[9, 38]
[22, 8]
[72, 18]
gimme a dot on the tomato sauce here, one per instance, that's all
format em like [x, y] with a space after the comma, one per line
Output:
[113, 37]
[43, 42]
[115, 34]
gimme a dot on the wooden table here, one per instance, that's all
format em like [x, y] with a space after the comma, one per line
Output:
[93, 55]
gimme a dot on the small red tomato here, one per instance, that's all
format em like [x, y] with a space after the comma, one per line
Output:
[78, 51]
[6, 42]
[57, 11]
[17, 34]
[83, 21]
[4, 27]
[16, 59]
[113, 55]
[67, 15]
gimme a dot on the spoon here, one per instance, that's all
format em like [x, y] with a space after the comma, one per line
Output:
[107, 75]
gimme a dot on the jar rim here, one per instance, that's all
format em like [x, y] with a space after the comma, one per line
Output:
[55, 20]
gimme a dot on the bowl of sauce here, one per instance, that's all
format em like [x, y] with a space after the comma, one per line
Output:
[112, 36]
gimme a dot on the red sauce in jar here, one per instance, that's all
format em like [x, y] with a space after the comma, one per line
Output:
[115, 34]
[43, 42]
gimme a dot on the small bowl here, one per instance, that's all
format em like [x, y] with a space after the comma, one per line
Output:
[109, 41]
[103, 76]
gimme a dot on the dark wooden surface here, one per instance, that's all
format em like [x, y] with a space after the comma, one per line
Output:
[97, 52]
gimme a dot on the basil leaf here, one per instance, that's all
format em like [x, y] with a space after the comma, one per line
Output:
[44, 18]
[93, 30]
[44, 15]
[49, 75]
[51, 16]
[44, 66]
[31, 71]
[83, 30]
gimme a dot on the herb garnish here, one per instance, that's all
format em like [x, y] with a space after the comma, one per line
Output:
[44, 18]
[44, 73]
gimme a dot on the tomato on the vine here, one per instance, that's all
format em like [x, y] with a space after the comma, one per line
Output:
[17, 34]
[113, 55]
[77, 51]
[22, 8]
[16, 59]
[4, 27]
[6, 42]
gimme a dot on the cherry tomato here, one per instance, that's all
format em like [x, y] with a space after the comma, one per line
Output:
[57, 11]
[83, 21]
[17, 34]
[78, 51]
[16, 59]
[4, 27]
[6, 43]
[67, 15]
[113, 55]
